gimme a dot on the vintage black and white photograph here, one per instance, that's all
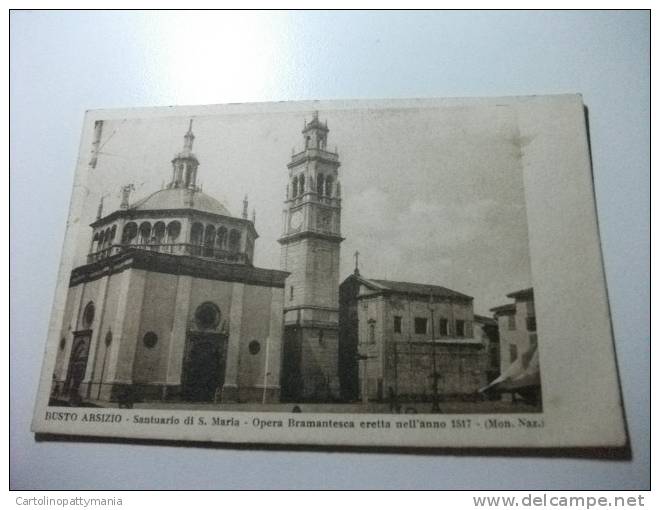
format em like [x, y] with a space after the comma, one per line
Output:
[339, 267]
[350, 261]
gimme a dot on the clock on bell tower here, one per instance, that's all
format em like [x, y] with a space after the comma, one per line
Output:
[310, 240]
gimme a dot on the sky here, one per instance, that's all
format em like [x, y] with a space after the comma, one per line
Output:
[429, 195]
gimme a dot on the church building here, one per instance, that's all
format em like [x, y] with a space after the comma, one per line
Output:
[409, 341]
[169, 305]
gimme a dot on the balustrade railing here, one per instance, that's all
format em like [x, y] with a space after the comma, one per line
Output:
[196, 250]
[314, 152]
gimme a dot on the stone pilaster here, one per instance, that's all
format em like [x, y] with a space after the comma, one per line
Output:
[230, 388]
[97, 331]
[179, 330]
[271, 385]
[76, 311]
[126, 324]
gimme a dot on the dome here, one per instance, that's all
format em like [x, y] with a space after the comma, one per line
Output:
[180, 198]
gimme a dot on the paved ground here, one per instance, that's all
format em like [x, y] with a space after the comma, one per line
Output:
[485, 407]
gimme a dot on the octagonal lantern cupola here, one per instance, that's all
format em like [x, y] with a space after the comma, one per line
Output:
[185, 164]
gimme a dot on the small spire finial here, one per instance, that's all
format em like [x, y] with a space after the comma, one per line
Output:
[189, 137]
[245, 207]
[357, 269]
[99, 212]
[254, 216]
[125, 194]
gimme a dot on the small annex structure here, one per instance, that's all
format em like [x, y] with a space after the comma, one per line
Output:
[169, 305]
[520, 372]
[408, 341]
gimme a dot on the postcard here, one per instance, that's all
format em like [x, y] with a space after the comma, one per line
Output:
[382, 273]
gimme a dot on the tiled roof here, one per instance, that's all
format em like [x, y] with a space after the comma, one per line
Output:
[414, 288]
[484, 320]
[508, 308]
[522, 294]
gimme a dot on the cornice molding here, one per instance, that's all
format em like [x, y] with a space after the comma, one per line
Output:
[297, 236]
[178, 265]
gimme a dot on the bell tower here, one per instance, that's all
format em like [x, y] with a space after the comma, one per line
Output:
[310, 240]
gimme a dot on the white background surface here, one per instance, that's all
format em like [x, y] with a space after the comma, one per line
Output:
[64, 63]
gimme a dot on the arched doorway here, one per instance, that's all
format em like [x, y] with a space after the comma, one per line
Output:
[77, 365]
[203, 366]
[205, 356]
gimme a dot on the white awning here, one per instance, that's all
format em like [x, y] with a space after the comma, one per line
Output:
[522, 373]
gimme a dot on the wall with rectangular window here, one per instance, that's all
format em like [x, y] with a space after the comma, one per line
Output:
[443, 329]
[397, 324]
[421, 325]
[460, 328]
[513, 352]
[511, 322]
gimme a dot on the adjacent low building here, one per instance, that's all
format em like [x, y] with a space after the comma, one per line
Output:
[395, 337]
[519, 357]
[487, 329]
[517, 326]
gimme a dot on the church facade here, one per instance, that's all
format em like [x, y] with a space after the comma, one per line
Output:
[169, 305]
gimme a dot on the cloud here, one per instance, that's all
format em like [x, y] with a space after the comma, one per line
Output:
[418, 240]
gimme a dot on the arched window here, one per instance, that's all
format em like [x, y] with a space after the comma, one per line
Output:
[319, 185]
[187, 175]
[207, 316]
[295, 187]
[103, 237]
[234, 241]
[173, 231]
[109, 237]
[129, 234]
[209, 240]
[96, 245]
[88, 315]
[196, 237]
[221, 238]
[144, 233]
[328, 186]
[159, 233]
[301, 184]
